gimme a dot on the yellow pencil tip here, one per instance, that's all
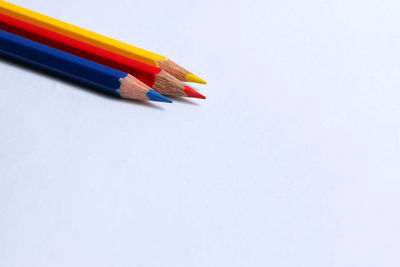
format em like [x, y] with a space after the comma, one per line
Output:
[194, 79]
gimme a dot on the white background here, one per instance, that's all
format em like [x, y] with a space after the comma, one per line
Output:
[293, 160]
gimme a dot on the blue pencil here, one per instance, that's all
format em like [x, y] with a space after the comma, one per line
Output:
[106, 79]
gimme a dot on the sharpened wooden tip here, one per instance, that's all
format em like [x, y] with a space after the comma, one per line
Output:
[179, 72]
[167, 84]
[132, 88]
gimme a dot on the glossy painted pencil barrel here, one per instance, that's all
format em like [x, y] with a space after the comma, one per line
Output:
[78, 48]
[98, 40]
[78, 33]
[154, 77]
[72, 67]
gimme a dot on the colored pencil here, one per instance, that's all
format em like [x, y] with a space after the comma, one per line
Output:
[158, 79]
[92, 74]
[99, 40]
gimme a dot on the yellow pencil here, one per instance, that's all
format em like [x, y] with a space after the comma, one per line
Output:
[99, 41]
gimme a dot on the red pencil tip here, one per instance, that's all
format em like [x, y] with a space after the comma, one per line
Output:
[190, 92]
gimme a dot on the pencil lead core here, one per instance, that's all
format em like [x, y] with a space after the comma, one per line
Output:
[190, 92]
[155, 96]
[190, 77]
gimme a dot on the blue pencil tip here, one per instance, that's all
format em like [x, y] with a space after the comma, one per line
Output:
[156, 96]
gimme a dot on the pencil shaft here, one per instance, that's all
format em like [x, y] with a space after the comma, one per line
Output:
[144, 72]
[98, 40]
[61, 63]
[80, 34]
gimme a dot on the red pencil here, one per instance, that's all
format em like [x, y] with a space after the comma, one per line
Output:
[154, 77]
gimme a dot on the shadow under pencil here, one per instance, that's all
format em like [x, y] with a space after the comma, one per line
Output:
[183, 100]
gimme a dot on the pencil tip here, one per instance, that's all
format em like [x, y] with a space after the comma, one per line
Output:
[194, 79]
[190, 92]
[155, 96]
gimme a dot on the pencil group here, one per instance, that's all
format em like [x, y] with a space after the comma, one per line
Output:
[90, 58]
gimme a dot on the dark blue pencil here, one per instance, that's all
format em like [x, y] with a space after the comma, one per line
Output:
[112, 81]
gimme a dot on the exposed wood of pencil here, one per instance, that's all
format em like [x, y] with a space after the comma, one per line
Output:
[132, 88]
[175, 87]
[167, 84]
[179, 72]
[173, 69]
